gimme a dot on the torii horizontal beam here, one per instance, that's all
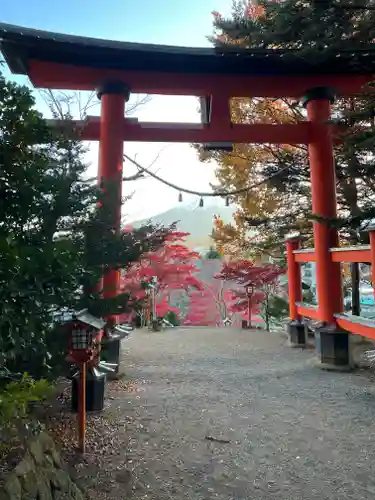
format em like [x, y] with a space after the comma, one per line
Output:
[64, 76]
[198, 133]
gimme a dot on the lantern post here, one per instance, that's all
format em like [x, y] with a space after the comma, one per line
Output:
[82, 409]
[81, 352]
[85, 338]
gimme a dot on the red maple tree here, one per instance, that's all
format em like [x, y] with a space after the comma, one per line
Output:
[163, 306]
[209, 305]
[199, 312]
[171, 268]
[202, 309]
[264, 281]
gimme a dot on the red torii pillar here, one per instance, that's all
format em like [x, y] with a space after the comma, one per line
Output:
[113, 96]
[332, 344]
[324, 205]
[297, 330]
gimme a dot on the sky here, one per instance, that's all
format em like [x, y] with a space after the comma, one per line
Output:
[170, 22]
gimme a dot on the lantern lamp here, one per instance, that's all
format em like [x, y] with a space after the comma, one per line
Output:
[85, 332]
[249, 289]
[81, 337]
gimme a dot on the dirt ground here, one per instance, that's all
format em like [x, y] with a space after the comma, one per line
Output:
[286, 429]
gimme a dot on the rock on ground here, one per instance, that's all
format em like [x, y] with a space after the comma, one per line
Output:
[40, 475]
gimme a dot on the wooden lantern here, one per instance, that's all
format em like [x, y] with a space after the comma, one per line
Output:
[85, 334]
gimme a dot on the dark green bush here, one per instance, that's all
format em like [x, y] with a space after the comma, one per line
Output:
[172, 317]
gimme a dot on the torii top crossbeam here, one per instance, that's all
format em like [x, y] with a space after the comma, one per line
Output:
[59, 61]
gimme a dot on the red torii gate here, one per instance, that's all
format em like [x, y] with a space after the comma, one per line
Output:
[115, 69]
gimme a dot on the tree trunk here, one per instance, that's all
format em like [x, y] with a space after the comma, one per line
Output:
[349, 188]
[267, 315]
[356, 305]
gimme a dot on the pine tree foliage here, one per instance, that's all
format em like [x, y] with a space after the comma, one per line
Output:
[299, 27]
[212, 254]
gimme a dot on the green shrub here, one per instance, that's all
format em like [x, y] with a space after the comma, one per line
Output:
[172, 317]
[17, 398]
[274, 310]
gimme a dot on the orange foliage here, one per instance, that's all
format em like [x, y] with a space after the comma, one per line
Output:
[245, 165]
[253, 10]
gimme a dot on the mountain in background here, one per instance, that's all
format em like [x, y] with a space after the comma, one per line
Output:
[198, 221]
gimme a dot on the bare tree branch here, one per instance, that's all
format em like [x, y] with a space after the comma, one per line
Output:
[63, 103]
[139, 102]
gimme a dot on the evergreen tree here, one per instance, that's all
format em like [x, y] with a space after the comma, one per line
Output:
[55, 239]
[212, 254]
[315, 32]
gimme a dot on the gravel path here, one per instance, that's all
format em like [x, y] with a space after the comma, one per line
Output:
[294, 431]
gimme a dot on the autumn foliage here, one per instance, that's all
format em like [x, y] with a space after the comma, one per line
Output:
[201, 310]
[246, 164]
[173, 266]
[246, 272]
[208, 306]
[264, 281]
[210, 301]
